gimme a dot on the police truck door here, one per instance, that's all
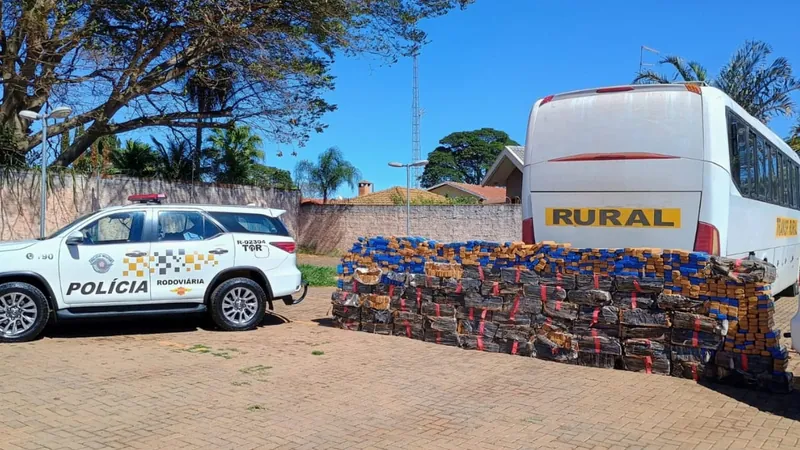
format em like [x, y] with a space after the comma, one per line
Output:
[188, 251]
[110, 265]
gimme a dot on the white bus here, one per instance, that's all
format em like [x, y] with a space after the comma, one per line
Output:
[678, 166]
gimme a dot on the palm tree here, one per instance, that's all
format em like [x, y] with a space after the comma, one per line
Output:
[173, 161]
[762, 88]
[328, 174]
[794, 138]
[234, 153]
[208, 90]
[684, 71]
[135, 159]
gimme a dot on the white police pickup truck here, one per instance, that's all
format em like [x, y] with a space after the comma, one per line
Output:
[149, 258]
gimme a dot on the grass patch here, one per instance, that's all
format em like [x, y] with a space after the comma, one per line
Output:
[318, 276]
[255, 370]
[199, 348]
[317, 353]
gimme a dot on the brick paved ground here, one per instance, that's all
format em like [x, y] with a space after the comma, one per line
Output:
[168, 385]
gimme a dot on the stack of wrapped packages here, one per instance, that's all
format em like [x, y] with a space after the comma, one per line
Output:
[668, 312]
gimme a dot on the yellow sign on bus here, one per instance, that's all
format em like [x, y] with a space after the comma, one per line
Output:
[786, 227]
[614, 217]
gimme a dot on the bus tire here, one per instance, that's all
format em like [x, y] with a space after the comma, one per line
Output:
[791, 291]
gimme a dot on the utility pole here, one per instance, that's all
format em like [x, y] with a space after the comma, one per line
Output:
[416, 152]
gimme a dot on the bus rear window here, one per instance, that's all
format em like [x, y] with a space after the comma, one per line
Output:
[250, 223]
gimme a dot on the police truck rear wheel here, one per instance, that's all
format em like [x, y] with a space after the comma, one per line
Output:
[23, 312]
[238, 304]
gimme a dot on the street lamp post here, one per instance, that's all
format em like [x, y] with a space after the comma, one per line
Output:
[58, 113]
[421, 163]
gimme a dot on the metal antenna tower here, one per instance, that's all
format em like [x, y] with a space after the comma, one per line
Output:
[416, 153]
[643, 64]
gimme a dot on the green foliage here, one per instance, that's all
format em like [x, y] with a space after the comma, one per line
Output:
[794, 138]
[269, 177]
[762, 87]
[326, 176]
[234, 154]
[464, 156]
[318, 275]
[278, 55]
[10, 157]
[398, 200]
[135, 159]
[173, 161]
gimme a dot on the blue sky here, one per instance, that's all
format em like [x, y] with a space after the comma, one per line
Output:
[487, 65]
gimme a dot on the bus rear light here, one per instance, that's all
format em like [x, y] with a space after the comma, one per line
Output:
[693, 88]
[612, 156]
[547, 99]
[707, 239]
[527, 231]
[614, 89]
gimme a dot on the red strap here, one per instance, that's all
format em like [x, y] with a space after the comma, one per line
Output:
[648, 364]
[596, 344]
[696, 324]
[480, 343]
[438, 337]
[419, 297]
[438, 310]
[481, 327]
[408, 327]
[554, 350]
[428, 281]
[483, 315]
[480, 272]
[694, 372]
[559, 278]
[558, 305]
[345, 309]
[744, 362]
[514, 347]
[514, 308]
[548, 320]
[594, 332]
[634, 304]
[737, 263]
[495, 288]
[636, 286]
[391, 290]
[471, 313]
[595, 315]
[596, 281]
[517, 275]
[355, 285]
[543, 292]
[458, 287]
[695, 340]
[403, 304]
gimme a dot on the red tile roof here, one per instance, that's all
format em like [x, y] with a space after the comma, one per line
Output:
[488, 194]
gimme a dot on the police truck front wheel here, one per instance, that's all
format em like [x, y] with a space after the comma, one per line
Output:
[23, 312]
[238, 304]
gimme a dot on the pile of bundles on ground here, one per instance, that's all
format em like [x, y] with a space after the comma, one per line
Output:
[670, 312]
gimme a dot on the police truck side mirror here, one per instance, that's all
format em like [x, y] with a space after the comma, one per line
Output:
[75, 238]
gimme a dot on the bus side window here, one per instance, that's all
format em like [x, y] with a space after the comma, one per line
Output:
[774, 174]
[762, 164]
[747, 173]
[796, 185]
[785, 181]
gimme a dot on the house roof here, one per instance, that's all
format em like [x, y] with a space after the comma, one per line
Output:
[487, 194]
[512, 156]
[394, 195]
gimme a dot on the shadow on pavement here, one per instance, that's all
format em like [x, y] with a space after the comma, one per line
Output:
[82, 328]
[324, 321]
[784, 405]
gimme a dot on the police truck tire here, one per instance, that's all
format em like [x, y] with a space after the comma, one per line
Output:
[24, 312]
[238, 304]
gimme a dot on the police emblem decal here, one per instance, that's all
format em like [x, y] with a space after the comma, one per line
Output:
[101, 263]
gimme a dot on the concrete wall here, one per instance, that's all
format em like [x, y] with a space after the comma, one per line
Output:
[70, 196]
[329, 228]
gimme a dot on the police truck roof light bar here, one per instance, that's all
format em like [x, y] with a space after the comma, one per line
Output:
[147, 198]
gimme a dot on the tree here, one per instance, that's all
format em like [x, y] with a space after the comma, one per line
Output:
[272, 177]
[794, 138]
[684, 71]
[208, 90]
[128, 59]
[326, 176]
[761, 87]
[173, 161]
[135, 159]
[235, 154]
[464, 156]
